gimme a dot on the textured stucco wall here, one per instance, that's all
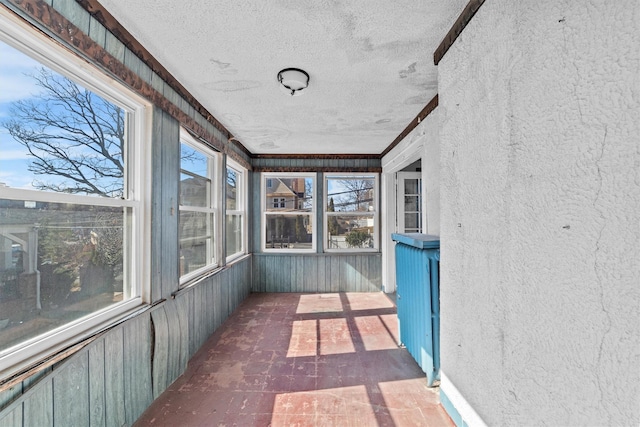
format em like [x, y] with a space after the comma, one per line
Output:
[429, 129]
[540, 193]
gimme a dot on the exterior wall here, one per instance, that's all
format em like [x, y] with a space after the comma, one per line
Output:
[539, 104]
[423, 142]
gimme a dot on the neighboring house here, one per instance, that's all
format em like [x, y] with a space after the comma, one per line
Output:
[285, 194]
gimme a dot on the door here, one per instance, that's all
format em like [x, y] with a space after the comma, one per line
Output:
[409, 203]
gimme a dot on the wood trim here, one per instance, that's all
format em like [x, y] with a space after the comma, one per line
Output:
[237, 143]
[415, 122]
[317, 156]
[457, 28]
[67, 32]
[101, 14]
[356, 169]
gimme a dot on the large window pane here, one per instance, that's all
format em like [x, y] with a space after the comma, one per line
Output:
[288, 212]
[58, 263]
[350, 212]
[350, 194]
[195, 184]
[73, 248]
[234, 234]
[198, 208]
[350, 231]
[235, 209]
[56, 135]
[195, 240]
[289, 231]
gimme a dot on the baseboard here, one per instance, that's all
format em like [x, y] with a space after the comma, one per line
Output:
[462, 414]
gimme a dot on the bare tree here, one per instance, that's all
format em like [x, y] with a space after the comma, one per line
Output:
[357, 195]
[73, 134]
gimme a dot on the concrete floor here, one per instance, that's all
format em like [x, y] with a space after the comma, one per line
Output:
[302, 360]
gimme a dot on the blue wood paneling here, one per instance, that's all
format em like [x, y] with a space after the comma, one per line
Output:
[317, 272]
[114, 379]
[165, 165]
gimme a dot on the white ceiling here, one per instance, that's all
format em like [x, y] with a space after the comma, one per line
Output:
[370, 64]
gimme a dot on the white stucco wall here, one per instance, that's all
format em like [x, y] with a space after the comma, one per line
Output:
[540, 223]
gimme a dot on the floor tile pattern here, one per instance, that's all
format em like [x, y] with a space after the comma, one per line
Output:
[302, 360]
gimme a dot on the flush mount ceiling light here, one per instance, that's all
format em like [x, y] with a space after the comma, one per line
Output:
[293, 80]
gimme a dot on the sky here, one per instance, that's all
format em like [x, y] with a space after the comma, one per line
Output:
[17, 83]
[14, 85]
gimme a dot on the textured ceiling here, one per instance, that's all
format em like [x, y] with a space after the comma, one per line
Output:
[370, 64]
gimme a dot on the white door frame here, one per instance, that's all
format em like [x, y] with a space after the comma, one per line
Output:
[404, 154]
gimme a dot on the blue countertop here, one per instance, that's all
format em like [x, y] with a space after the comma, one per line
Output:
[418, 240]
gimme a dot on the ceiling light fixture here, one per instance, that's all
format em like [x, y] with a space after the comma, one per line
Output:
[293, 80]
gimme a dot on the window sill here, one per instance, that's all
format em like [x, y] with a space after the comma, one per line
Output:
[195, 281]
[18, 372]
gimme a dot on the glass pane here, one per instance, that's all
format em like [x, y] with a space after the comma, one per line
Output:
[195, 182]
[195, 191]
[289, 194]
[193, 161]
[411, 186]
[411, 203]
[55, 135]
[348, 231]
[234, 234]
[289, 232]
[58, 263]
[195, 240]
[351, 194]
[232, 189]
[411, 221]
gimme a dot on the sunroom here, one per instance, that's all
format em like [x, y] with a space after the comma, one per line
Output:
[197, 203]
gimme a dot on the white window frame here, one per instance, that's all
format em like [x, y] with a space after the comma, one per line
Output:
[375, 214]
[215, 174]
[241, 206]
[21, 36]
[312, 215]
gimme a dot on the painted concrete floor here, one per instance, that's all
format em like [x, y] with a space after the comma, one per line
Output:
[302, 360]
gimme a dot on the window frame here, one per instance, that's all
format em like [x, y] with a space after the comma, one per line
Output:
[375, 214]
[215, 159]
[137, 187]
[241, 207]
[264, 214]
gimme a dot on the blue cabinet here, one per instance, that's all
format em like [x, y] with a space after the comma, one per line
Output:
[418, 299]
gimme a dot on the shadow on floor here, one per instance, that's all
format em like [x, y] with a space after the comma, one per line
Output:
[302, 360]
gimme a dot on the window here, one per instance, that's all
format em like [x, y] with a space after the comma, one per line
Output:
[289, 214]
[236, 197]
[73, 243]
[351, 216]
[198, 226]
